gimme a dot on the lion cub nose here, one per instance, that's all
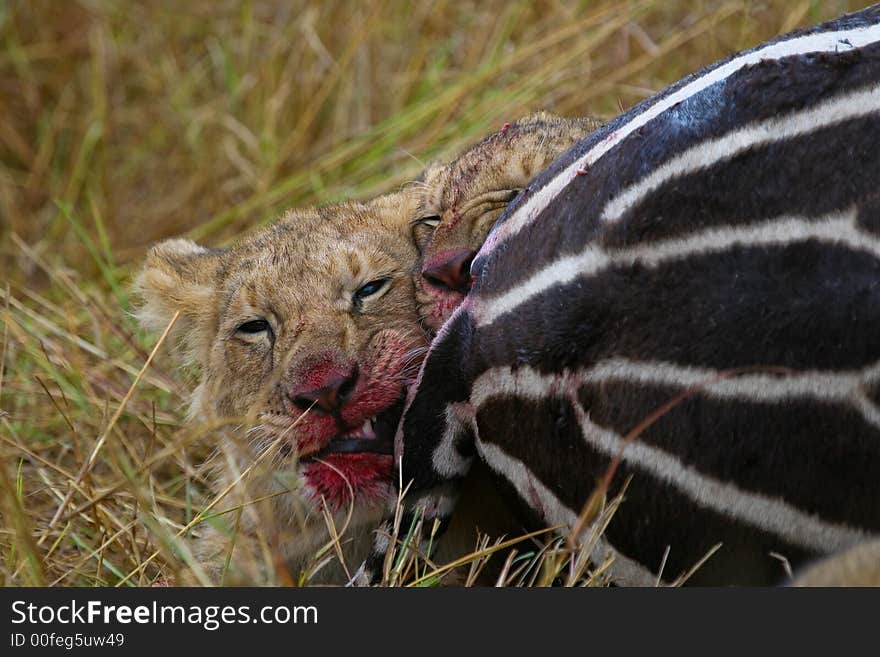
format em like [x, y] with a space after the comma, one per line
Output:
[330, 397]
[452, 271]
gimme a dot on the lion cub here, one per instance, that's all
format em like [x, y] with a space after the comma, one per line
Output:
[305, 336]
[460, 201]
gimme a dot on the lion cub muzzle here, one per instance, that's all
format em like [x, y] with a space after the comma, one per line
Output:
[345, 409]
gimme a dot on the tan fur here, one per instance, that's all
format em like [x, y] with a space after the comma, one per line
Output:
[300, 275]
[465, 197]
[857, 566]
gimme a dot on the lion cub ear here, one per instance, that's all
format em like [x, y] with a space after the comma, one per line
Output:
[178, 275]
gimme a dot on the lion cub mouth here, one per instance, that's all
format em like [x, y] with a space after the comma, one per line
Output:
[374, 436]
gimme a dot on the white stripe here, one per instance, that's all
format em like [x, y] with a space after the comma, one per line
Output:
[382, 538]
[844, 387]
[435, 503]
[446, 459]
[624, 571]
[707, 153]
[770, 514]
[562, 271]
[834, 228]
[818, 42]
[869, 410]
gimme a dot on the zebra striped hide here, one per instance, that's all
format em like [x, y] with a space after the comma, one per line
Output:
[721, 240]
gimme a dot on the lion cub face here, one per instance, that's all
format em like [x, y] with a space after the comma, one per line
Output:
[460, 202]
[306, 334]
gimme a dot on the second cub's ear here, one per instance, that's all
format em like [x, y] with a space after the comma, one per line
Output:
[178, 275]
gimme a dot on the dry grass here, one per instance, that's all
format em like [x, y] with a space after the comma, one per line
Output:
[123, 123]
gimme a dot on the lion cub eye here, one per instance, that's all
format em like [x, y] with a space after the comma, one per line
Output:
[253, 327]
[431, 221]
[370, 289]
[422, 230]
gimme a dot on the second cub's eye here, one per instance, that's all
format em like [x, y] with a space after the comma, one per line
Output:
[253, 327]
[371, 289]
[432, 221]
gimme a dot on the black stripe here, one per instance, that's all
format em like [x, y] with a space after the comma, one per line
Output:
[803, 306]
[822, 458]
[869, 214]
[873, 393]
[653, 514]
[426, 415]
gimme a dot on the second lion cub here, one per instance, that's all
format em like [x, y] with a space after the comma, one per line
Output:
[460, 201]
